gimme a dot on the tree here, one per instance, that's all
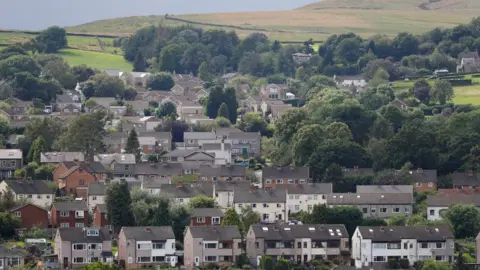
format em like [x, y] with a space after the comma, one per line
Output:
[252, 122]
[348, 50]
[84, 134]
[472, 160]
[170, 57]
[305, 141]
[289, 123]
[18, 63]
[48, 129]
[223, 111]
[442, 91]
[222, 122]
[167, 109]
[205, 72]
[8, 224]
[52, 40]
[201, 202]
[231, 218]
[105, 86]
[215, 99]
[251, 63]
[230, 99]
[266, 263]
[38, 146]
[82, 72]
[249, 217]
[465, 220]
[139, 64]
[421, 90]
[60, 71]
[161, 213]
[160, 81]
[381, 77]
[133, 145]
[338, 130]
[119, 207]
[101, 266]
[194, 56]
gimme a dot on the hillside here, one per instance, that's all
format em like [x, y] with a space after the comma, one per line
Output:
[454, 5]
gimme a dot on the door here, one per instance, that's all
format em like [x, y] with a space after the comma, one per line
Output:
[197, 261]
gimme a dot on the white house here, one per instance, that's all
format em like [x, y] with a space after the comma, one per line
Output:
[270, 204]
[375, 245]
[221, 152]
[438, 204]
[35, 191]
[304, 197]
[183, 193]
[95, 195]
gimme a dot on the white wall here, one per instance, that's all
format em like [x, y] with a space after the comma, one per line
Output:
[272, 210]
[224, 199]
[304, 202]
[436, 212]
[42, 200]
[92, 201]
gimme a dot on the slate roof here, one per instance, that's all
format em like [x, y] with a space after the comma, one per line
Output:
[397, 233]
[11, 154]
[216, 146]
[199, 136]
[311, 188]
[385, 189]
[260, 196]
[113, 72]
[215, 233]
[187, 191]
[156, 135]
[291, 232]
[102, 208]
[424, 176]
[464, 179]
[225, 131]
[227, 171]
[96, 189]
[154, 233]
[119, 158]
[286, 172]
[180, 152]
[231, 186]
[369, 198]
[7, 253]
[27, 204]
[448, 200]
[29, 187]
[79, 235]
[279, 110]
[70, 206]
[158, 169]
[207, 212]
[104, 101]
[57, 157]
[240, 135]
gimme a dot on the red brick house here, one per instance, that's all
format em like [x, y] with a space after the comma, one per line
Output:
[30, 216]
[463, 183]
[206, 217]
[424, 180]
[100, 217]
[69, 214]
[73, 178]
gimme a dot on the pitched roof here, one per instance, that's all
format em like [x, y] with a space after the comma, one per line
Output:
[119, 158]
[240, 135]
[29, 187]
[227, 171]
[57, 157]
[465, 179]
[7, 253]
[158, 169]
[113, 72]
[70, 206]
[384, 189]
[180, 152]
[186, 191]
[448, 200]
[216, 147]
[147, 140]
[102, 208]
[155, 134]
[199, 136]
[221, 131]
[286, 172]
[215, 233]
[96, 189]
[91, 167]
[291, 232]
[311, 188]
[424, 176]
[27, 204]
[207, 212]
[154, 233]
[369, 198]
[79, 235]
[397, 233]
[260, 196]
[11, 154]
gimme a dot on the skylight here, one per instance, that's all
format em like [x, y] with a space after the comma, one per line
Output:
[370, 230]
[286, 229]
[311, 228]
[264, 229]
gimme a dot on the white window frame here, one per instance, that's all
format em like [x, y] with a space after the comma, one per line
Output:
[64, 225]
[216, 220]
[18, 214]
[200, 219]
[64, 213]
[75, 259]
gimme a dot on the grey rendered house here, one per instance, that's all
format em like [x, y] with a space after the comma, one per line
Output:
[220, 245]
[375, 205]
[145, 246]
[245, 143]
[299, 243]
[9, 258]
[77, 247]
[96, 194]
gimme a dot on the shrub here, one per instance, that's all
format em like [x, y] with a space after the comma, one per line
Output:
[460, 82]
[436, 111]
[392, 264]
[404, 263]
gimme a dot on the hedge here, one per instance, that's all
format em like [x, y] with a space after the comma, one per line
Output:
[463, 82]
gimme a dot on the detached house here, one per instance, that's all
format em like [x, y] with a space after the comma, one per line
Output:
[273, 91]
[73, 178]
[78, 247]
[298, 243]
[206, 217]
[69, 214]
[374, 246]
[31, 216]
[144, 246]
[203, 245]
[35, 191]
[10, 160]
[273, 176]
[424, 180]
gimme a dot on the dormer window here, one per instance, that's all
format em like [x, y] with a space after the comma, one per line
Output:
[93, 232]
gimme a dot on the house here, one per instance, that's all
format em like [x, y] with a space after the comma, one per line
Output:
[302, 197]
[229, 76]
[70, 109]
[469, 62]
[66, 214]
[10, 258]
[204, 245]
[163, 139]
[194, 140]
[221, 152]
[224, 192]
[424, 180]
[278, 111]
[244, 144]
[78, 247]
[31, 216]
[301, 58]
[399, 104]
[19, 106]
[145, 246]
[151, 122]
[273, 91]
[71, 99]
[266, 106]
[113, 72]
[10, 160]
[346, 81]
[382, 189]
[183, 193]
[135, 79]
[100, 217]
[298, 243]
[96, 193]
[197, 119]
[273, 176]
[189, 107]
[161, 173]
[269, 203]
[73, 178]
[149, 146]
[466, 183]
[437, 205]
[194, 158]
[252, 104]
[375, 205]
[59, 157]
[226, 173]
[206, 217]
[138, 106]
[112, 160]
[34, 191]
[376, 245]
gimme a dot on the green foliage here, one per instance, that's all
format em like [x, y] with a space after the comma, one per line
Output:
[160, 82]
[231, 218]
[266, 263]
[432, 265]
[8, 224]
[442, 91]
[222, 122]
[101, 266]
[139, 64]
[38, 146]
[51, 40]
[82, 72]
[167, 109]
[350, 216]
[133, 145]
[9, 67]
[216, 98]
[102, 85]
[465, 220]
[201, 202]
[223, 111]
[119, 207]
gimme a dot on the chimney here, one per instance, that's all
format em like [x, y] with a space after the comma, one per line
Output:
[179, 185]
[470, 173]
[148, 229]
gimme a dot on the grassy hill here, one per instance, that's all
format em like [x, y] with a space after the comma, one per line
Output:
[450, 5]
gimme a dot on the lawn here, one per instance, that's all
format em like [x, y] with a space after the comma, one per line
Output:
[185, 179]
[95, 59]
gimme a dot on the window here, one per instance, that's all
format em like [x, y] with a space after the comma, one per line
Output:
[81, 182]
[305, 244]
[418, 184]
[365, 210]
[254, 205]
[95, 246]
[302, 181]
[158, 259]
[240, 205]
[18, 213]
[290, 197]
[180, 200]
[215, 220]
[299, 245]
[432, 212]
[210, 245]
[64, 225]
[430, 184]
[39, 196]
[310, 207]
[78, 260]
[257, 245]
[30, 196]
[297, 197]
[158, 246]
[265, 205]
[290, 181]
[64, 214]
[79, 247]
[393, 246]
[383, 210]
[93, 232]
[48, 196]
[379, 245]
[405, 245]
[200, 219]
[94, 198]
[143, 259]
[439, 258]
[265, 216]
[439, 245]
[92, 259]
[279, 181]
[210, 258]
[407, 210]
[279, 205]
[79, 225]
[268, 181]
[379, 259]
[144, 246]
[423, 245]
[315, 197]
[396, 210]
[297, 207]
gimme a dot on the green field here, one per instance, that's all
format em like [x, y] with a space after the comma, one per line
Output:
[95, 59]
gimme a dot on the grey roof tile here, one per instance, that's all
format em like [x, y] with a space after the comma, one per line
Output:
[215, 233]
[291, 232]
[96, 189]
[29, 187]
[397, 233]
[57, 157]
[286, 172]
[384, 189]
[207, 212]
[148, 233]
[256, 195]
[226, 171]
[369, 198]
[79, 235]
[70, 206]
